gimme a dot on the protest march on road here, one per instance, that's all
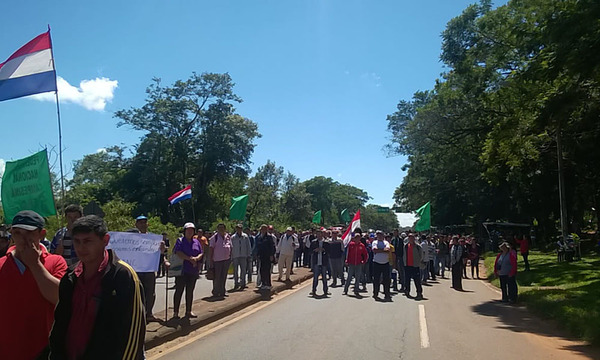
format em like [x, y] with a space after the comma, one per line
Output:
[440, 196]
[126, 265]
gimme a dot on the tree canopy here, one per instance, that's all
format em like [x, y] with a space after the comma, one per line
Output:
[482, 144]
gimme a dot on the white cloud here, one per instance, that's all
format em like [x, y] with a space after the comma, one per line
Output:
[101, 150]
[2, 165]
[91, 94]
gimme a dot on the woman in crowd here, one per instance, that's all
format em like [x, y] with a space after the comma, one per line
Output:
[506, 270]
[189, 249]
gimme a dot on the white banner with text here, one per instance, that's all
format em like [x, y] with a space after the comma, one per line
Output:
[141, 251]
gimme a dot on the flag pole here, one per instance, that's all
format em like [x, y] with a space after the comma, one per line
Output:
[60, 148]
[193, 211]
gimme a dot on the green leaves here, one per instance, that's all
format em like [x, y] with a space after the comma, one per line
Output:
[487, 130]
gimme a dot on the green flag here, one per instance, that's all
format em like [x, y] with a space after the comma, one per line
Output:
[237, 211]
[424, 222]
[26, 186]
[317, 217]
[345, 216]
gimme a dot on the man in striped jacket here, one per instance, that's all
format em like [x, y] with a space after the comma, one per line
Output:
[100, 311]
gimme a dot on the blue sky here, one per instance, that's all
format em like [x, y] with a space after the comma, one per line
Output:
[319, 77]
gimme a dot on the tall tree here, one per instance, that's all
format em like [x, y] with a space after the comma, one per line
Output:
[192, 135]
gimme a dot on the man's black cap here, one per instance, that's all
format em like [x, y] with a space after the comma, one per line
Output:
[28, 220]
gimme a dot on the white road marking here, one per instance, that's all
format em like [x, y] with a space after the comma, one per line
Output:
[423, 324]
[227, 323]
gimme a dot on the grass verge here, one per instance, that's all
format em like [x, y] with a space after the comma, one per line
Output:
[566, 292]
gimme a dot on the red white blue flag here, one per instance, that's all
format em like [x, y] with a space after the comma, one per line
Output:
[353, 225]
[30, 70]
[184, 194]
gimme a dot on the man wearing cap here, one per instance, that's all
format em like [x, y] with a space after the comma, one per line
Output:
[29, 277]
[264, 251]
[241, 250]
[286, 247]
[381, 265]
[62, 243]
[100, 312]
[356, 257]
[148, 279]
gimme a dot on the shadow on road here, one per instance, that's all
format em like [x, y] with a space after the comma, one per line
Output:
[517, 318]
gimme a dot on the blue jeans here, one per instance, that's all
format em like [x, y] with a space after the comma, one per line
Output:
[442, 264]
[319, 270]
[356, 271]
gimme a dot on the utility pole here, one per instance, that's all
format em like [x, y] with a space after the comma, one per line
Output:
[561, 185]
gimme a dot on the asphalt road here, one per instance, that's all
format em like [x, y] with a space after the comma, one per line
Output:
[203, 289]
[459, 325]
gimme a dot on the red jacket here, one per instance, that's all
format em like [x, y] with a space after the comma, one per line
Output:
[513, 262]
[523, 245]
[357, 253]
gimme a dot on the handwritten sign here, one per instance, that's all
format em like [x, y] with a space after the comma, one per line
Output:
[141, 251]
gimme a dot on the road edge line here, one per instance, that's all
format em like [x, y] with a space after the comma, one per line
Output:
[423, 326]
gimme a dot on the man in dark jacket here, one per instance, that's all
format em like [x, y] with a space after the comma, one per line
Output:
[100, 311]
[319, 248]
[264, 250]
[398, 243]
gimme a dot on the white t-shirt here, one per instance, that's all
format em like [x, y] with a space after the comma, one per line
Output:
[382, 257]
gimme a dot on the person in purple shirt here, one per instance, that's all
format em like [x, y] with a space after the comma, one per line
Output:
[190, 250]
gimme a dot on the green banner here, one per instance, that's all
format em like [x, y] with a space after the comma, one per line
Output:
[424, 222]
[26, 186]
[317, 217]
[345, 216]
[237, 211]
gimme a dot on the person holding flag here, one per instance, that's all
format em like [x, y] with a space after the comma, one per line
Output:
[356, 257]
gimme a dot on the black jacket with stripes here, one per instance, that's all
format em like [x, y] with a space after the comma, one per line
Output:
[120, 326]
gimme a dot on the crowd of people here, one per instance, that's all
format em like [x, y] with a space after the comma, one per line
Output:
[390, 261]
[73, 287]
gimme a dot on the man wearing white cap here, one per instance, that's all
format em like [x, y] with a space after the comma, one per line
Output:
[286, 247]
[148, 279]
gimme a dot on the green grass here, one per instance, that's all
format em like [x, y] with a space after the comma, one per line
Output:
[566, 292]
